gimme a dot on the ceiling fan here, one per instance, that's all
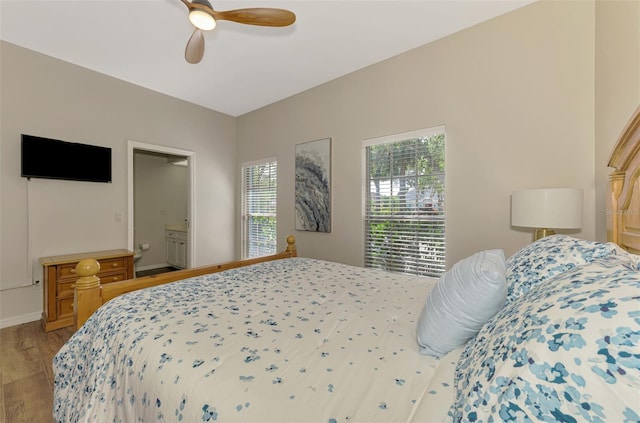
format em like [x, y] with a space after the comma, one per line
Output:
[203, 18]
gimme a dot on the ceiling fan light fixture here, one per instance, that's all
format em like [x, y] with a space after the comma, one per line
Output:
[202, 20]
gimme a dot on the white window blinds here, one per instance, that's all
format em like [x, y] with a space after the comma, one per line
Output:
[404, 207]
[259, 204]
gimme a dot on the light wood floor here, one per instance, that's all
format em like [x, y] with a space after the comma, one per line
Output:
[26, 378]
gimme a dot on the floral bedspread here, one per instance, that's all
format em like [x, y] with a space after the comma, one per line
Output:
[295, 340]
[566, 350]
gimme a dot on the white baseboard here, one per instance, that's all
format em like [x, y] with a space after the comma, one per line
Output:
[18, 320]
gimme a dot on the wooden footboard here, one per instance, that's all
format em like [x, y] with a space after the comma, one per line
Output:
[90, 294]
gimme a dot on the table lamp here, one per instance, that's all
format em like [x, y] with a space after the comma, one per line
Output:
[547, 209]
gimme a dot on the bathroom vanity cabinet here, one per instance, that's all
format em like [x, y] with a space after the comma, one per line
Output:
[177, 248]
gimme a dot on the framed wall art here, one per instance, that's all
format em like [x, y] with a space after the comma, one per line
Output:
[313, 186]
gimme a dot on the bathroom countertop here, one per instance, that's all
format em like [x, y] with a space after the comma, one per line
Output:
[178, 227]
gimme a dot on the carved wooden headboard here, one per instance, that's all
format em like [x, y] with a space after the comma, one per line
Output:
[623, 199]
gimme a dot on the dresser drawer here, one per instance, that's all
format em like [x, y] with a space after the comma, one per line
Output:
[68, 271]
[110, 265]
[65, 307]
[66, 287]
[113, 276]
[177, 235]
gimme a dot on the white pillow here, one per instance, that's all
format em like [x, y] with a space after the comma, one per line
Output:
[466, 296]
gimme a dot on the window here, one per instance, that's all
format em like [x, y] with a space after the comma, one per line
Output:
[404, 203]
[259, 201]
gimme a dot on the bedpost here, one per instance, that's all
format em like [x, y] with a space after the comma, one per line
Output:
[87, 296]
[291, 246]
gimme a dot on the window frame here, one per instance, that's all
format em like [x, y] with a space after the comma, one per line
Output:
[244, 215]
[421, 133]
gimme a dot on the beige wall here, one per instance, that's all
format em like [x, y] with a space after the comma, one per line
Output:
[47, 97]
[617, 87]
[516, 95]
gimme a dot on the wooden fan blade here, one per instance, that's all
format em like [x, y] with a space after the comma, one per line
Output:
[258, 16]
[195, 47]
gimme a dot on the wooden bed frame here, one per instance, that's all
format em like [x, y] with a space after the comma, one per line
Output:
[623, 199]
[90, 294]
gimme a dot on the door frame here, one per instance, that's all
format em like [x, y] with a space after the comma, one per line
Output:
[191, 165]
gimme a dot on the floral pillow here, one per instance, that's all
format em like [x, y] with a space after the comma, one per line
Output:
[566, 350]
[548, 257]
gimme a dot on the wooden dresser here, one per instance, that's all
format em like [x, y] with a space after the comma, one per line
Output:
[59, 273]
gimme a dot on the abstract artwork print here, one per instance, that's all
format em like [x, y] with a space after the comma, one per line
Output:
[313, 186]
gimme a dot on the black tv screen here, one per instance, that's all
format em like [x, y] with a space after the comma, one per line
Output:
[53, 159]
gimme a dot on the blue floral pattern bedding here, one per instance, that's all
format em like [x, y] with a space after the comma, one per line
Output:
[295, 340]
[548, 257]
[567, 349]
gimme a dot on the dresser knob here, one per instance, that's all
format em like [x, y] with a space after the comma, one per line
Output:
[114, 265]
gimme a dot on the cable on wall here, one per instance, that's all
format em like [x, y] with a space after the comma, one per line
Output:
[29, 264]
[29, 252]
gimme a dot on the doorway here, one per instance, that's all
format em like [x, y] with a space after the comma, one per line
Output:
[150, 223]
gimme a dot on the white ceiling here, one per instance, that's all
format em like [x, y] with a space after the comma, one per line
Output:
[244, 67]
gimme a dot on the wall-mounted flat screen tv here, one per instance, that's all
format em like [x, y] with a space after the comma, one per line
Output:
[53, 159]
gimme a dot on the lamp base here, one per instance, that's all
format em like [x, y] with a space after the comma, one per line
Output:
[542, 232]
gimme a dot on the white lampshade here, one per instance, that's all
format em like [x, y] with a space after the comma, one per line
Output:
[553, 208]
